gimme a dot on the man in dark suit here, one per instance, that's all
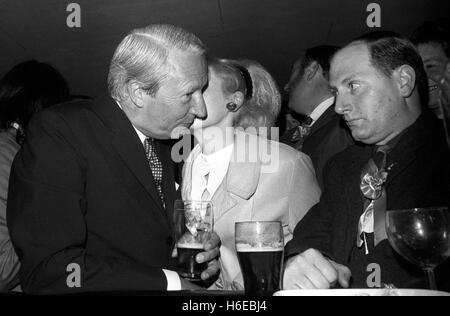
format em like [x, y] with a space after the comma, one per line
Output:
[323, 133]
[91, 192]
[380, 84]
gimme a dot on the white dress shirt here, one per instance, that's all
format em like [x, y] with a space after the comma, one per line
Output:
[320, 109]
[173, 279]
[215, 166]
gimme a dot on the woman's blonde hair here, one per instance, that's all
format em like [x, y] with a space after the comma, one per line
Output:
[262, 109]
[262, 106]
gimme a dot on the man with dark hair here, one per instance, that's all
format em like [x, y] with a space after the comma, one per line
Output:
[26, 89]
[432, 40]
[378, 87]
[387, 54]
[323, 133]
[92, 191]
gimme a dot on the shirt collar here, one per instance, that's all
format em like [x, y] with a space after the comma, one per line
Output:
[141, 136]
[217, 165]
[223, 154]
[320, 109]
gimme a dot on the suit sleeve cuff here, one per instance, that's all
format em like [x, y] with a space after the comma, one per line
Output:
[173, 280]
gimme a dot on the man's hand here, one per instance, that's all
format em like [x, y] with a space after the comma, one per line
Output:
[311, 270]
[210, 255]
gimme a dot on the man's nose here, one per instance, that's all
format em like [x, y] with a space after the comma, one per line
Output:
[342, 105]
[199, 106]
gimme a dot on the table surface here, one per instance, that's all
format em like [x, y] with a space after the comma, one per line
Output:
[204, 292]
[362, 292]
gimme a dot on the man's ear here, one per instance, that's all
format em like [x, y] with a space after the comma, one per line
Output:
[406, 80]
[136, 94]
[311, 70]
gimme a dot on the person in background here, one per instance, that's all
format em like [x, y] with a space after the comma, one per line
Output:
[432, 40]
[92, 190]
[381, 91]
[26, 89]
[323, 133]
[243, 96]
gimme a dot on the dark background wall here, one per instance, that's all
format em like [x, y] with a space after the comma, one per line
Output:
[270, 31]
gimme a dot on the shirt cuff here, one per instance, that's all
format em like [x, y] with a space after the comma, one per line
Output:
[173, 280]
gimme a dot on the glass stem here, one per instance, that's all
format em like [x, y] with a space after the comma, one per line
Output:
[431, 279]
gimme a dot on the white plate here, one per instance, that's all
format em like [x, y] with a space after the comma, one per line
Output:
[362, 292]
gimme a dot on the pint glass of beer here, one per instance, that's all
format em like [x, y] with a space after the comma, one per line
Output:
[193, 224]
[260, 249]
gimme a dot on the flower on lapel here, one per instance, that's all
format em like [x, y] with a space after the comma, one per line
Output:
[372, 184]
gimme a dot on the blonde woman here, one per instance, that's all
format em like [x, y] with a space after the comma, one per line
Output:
[246, 176]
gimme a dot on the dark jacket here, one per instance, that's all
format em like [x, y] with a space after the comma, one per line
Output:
[329, 136]
[81, 191]
[420, 177]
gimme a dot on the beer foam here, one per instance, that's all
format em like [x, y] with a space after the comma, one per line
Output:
[250, 248]
[190, 245]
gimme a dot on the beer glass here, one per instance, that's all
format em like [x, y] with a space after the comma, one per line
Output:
[193, 224]
[260, 249]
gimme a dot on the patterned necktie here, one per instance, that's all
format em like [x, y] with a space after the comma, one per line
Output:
[301, 132]
[155, 166]
[373, 177]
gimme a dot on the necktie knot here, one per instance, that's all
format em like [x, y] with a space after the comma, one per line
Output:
[380, 155]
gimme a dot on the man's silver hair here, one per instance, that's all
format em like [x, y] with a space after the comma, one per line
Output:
[142, 57]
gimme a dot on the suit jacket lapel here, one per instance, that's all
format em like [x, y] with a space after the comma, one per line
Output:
[128, 147]
[404, 153]
[323, 120]
[240, 182]
[169, 169]
[223, 202]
